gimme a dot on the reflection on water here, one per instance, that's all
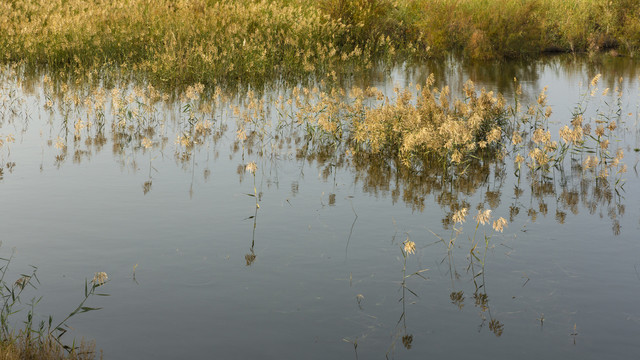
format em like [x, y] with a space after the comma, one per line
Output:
[498, 76]
[64, 124]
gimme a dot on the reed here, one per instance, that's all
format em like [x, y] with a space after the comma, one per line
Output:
[39, 339]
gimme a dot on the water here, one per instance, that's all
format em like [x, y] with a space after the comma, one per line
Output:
[561, 281]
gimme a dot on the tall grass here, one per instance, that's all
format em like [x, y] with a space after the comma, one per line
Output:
[484, 29]
[224, 41]
[193, 40]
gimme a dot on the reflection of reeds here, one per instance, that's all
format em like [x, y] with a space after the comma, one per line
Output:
[407, 145]
[477, 261]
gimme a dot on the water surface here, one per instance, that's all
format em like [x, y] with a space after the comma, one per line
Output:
[317, 269]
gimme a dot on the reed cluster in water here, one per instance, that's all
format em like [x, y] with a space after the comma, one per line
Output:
[416, 127]
[426, 125]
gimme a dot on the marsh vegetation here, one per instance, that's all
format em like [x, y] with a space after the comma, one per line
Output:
[38, 338]
[348, 173]
[225, 42]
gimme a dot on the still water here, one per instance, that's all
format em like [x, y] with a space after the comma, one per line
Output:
[316, 272]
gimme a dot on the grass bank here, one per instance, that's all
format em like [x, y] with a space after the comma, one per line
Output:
[224, 41]
[204, 41]
[485, 29]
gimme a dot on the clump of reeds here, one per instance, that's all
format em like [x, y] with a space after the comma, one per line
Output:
[39, 339]
[429, 127]
[588, 141]
[418, 127]
[437, 126]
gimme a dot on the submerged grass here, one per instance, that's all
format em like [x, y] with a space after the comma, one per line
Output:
[224, 41]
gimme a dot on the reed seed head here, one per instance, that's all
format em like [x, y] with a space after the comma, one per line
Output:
[500, 224]
[460, 216]
[251, 167]
[100, 278]
[409, 247]
[483, 216]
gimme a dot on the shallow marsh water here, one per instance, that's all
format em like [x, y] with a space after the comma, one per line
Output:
[318, 267]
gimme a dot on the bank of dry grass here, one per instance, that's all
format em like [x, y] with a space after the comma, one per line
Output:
[19, 351]
[485, 29]
[207, 41]
[214, 41]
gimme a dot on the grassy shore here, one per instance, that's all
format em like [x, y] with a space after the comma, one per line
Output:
[203, 41]
[223, 41]
[17, 350]
[485, 29]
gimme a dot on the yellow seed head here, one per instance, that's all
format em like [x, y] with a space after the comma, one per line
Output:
[100, 278]
[500, 224]
[460, 216]
[60, 143]
[409, 247]
[483, 217]
[251, 167]
[516, 138]
[519, 159]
